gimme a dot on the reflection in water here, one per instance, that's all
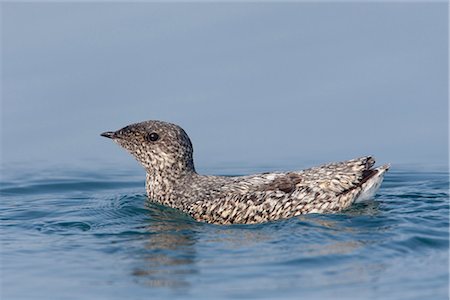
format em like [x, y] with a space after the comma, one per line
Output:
[168, 257]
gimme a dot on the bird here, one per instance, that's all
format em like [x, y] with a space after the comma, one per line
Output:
[166, 153]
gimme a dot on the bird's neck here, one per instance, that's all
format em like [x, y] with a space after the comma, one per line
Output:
[162, 182]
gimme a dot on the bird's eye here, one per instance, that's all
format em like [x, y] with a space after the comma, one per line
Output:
[153, 137]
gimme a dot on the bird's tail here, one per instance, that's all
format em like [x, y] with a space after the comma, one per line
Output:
[370, 187]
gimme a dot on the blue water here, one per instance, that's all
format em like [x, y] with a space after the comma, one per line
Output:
[91, 234]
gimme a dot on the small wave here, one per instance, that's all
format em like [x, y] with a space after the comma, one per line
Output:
[417, 244]
[64, 186]
[64, 227]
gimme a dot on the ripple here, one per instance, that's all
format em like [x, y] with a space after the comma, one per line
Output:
[65, 186]
[64, 227]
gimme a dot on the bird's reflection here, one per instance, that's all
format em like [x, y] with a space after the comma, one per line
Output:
[169, 254]
[169, 257]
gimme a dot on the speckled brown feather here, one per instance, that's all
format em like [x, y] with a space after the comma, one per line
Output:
[172, 181]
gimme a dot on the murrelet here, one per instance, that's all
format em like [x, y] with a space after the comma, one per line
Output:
[166, 152]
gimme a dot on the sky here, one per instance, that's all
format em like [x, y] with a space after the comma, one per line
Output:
[253, 84]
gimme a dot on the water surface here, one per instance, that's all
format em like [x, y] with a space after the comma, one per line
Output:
[78, 234]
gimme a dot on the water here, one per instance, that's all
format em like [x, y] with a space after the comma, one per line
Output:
[82, 234]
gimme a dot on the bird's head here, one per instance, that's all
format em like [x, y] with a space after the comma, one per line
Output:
[158, 146]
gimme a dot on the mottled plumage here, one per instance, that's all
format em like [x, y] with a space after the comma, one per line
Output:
[166, 153]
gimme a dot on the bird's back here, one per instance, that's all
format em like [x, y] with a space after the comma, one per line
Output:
[271, 196]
